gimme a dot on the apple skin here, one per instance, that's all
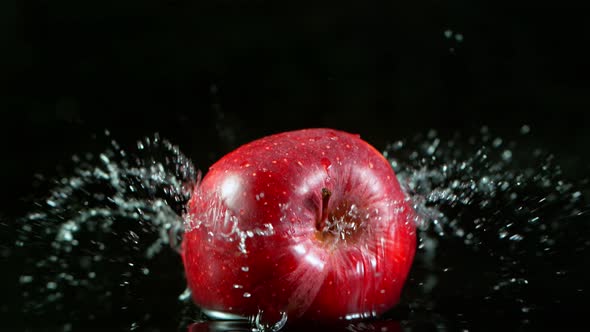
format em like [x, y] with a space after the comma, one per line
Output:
[310, 223]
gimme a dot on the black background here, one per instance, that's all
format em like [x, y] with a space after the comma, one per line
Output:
[211, 75]
[383, 69]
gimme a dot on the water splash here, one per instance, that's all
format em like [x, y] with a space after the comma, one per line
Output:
[92, 251]
[261, 325]
[494, 228]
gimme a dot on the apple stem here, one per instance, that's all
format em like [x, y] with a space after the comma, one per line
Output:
[326, 193]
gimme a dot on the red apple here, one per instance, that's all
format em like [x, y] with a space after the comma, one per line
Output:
[311, 224]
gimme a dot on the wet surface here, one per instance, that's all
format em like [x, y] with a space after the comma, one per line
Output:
[501, 238]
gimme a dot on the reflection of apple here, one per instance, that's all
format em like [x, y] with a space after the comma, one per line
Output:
[310, 223]
[233, 326]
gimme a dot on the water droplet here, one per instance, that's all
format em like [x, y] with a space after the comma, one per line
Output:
[24, 279]
[326, 163]
[186, 295]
